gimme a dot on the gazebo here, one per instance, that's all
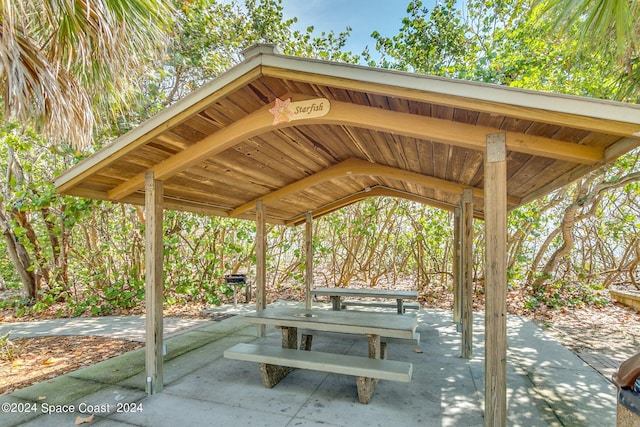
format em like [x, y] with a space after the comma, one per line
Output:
[281, 139]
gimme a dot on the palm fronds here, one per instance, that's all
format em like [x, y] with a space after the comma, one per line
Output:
[599, 19]
[63, 60]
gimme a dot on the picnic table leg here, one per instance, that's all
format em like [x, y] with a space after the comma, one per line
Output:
[367, 386]
[335, 301]
[400, 306]
[289, 337]
[305, 342]
[272, 374]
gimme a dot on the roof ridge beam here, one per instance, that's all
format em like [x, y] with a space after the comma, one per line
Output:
[377, 191]
[355, 167]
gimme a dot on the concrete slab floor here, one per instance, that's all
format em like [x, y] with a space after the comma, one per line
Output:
[547, 385]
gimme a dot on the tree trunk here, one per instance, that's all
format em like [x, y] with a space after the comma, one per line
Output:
[584, 197]
[568, 221]
[20, 259]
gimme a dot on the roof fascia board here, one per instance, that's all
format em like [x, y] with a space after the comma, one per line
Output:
[491, 93]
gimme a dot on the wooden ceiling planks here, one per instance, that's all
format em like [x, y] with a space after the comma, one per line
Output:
[544, 129]
[360, 144]
[465, 116]
[442, 112]
[224, 180]
[187, 190]
[440, 160]
[382, 152]
[265, 152]
[571, 134]
[316, 157]
[189, 131]
[471, 168]
[511, 124]
[455, 164]
[257, 93]
[411, 145]
[171, 142]
[334, 140]
[301, 153]
[530, 172]
[490, 120]
[275, 158]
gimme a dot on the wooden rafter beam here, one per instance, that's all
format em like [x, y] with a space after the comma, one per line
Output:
[252, 125]
[152, 128]
[342, 113]
[456, 133]
[378, 191]
[358, 167]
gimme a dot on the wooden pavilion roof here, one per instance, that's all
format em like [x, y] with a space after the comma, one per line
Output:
[305, 135]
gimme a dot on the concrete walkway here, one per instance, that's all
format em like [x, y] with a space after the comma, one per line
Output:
[547, 385]
[125, 327]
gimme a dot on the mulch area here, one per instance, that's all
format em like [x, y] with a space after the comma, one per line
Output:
[28, 361]
[38, 359]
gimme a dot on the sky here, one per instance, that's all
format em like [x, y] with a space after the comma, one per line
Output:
[363, 16]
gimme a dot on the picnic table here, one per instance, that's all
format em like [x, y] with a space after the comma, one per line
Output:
[336, 295]
[276, 363]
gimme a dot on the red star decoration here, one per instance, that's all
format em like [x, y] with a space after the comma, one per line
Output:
[281, 111]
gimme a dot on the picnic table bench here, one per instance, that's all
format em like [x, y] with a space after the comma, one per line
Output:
[336, 295]
[276, 363]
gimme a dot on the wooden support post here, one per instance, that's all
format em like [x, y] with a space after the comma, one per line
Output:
[419, 271]
[466, 260]
[153, 283]
[495, 219]
[261, 263]
[456, 266]
[308, 259]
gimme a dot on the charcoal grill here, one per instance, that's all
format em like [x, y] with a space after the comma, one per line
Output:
[238, 281]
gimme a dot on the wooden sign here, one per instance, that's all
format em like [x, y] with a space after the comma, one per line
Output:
[287, 111]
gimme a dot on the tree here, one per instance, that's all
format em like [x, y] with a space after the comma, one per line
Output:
[512, 43]
[609, 25]
[212, 36]
[89, 254]
[60, 61]
[428, 42]
[597, 19]
[63, 65]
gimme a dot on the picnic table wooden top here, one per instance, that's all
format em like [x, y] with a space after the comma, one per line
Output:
[374, 323]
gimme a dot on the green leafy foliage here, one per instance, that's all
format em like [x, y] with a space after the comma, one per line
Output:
[563, 248]
[8, 349]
